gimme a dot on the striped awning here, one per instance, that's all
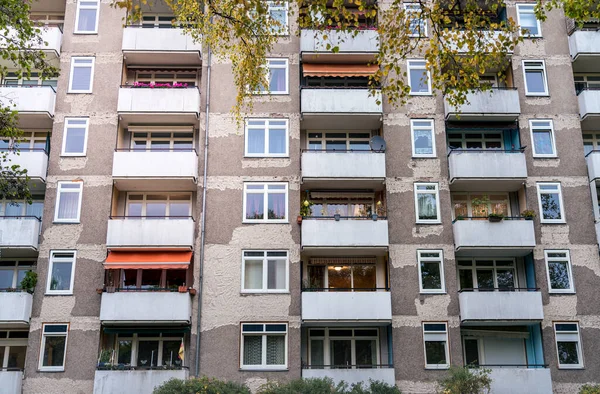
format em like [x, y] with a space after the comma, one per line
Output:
[338, 70]
[148, 260]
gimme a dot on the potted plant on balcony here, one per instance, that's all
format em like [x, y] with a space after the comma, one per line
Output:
[337, 215]
[479, 206]
[29, 281]
[305, 210]
[528, 214]
[182, 289]
[495, 217]
[104, 360]
[379, 210]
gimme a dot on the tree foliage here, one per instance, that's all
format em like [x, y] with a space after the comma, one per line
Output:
[203, 385]
[590, 389]
[465, 380]
[20, 43]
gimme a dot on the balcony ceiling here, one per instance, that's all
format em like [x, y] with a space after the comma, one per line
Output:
[162, 58]
[489, 185]
[308, 251]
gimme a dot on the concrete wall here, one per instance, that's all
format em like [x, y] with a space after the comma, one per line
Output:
[15, 308]
[133, 382]
[146, 307]
[344, 306]
[500, 306]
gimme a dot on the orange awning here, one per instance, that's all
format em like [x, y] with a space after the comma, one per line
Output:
[338, 70]
[148, 260]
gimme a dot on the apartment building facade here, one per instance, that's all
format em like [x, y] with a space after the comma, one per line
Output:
[160, 224]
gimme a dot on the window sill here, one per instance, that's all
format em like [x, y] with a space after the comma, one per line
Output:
[424, 157]
[264, 369]
[266, 157]
[58, 294]
[69, 92]
[432, 368]
[537, 95]
[266, 222]
[550, 292]
[544, 157]
[85, 33]
[573, 367]
[421, 94]
[51, 370]
[421, 223]
[250, 293]
[542, 222]
[61, 222]
[68, 156]
[433, 293]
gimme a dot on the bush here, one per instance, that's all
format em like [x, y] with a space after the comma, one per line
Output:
[326, 386]
[463, 380]
[201, 385]
[590, 389]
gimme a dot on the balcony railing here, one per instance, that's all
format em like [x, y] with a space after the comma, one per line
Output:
[156, 164]
[340, 100]
[349, 231]
[11, 380]
[35, 104]
[589, 107]
[530, 379]
[335, 305]
[148, 231]
[166, 307]
[139, 381]
[178, 104]
[20, 232]
[15, 307]
[160, 46]
[363, 41]
[500, 304]
[350, 164]
[513, 234]
[499, 104]
[34, 160]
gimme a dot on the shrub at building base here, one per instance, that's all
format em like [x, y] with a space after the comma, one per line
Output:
[202, 385]
[463, 380]
[590, 389]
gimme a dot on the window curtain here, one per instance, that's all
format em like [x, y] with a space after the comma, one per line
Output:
[253, 274]
[276, 206]
[35, 209]
[254, 206]
[277, 141]
[277, 79]
[82, 75]
[256, 140]
[68, 205]
[276, 274]
[427, 206]
[87, 20]
[252, 350]
[275, 350]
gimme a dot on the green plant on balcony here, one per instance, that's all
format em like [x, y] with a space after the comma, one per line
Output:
[495, 217]
[306, 208]
[465, 380]
[479, 206]
[29, 281]
[590, 389]
[528, 214]
[105, 359]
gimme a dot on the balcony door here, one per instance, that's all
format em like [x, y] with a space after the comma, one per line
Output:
[344, 348]
[493, 349]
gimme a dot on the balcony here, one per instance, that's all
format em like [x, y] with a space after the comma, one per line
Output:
[340, 108]
[374, 306]
[362, 47]
[522, 305]
[593, 164]
[584, 46]
[383, 373]
[141, 170]
[19, 233]
[323, 169]
[589, 108]
[35, 161]
[511, 236]
[51, 42]
[35, 104]
[160, 47]
[159, 105]
[509, 380]
[486, 169]
[146, 307]
[499, 104]
[486, 40]
[15, 310]
[336, 234]
[144, 232]
[131, 382]
[11, 381]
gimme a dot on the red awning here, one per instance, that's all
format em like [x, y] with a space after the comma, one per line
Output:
[338, 70]
[148, 260]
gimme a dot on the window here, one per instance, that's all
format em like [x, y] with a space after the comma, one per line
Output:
[423, 138]
[159, 206]
[343, 348]
[435, 338]
[265, 271]
[34, 79]
[187, 77]
[148, 349]
[426, 203]
[335, 82]
[68, 202]
[568, 345]
[267, 138]
[479, 206]
[431, 271]
[273, 196]
[558, 269]
[54, 347]
[536, 83]
[527, 20]
[417, 25]
[471, 139]
[487, 274]
[82, 75]
[356, 141]
[13, 348]
[278, 12]
[61, 272]
[158, 21]
[551, 203]
[347, 205]
[264, 346]
[419, 78]
[341, 274]
[583, 82]
[591, 142]
[48, 20]
[33, 140]
[86, 21]
[277, 77]
[19, 209]
[151, 279]
[11, 275]
[75, 137]
[145, 138]
[542, 137]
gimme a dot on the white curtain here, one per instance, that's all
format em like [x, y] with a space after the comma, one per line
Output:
[253, 275]
[276, 274]
[68, 206]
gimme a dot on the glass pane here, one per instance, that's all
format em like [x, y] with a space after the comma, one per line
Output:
[317, 352]
[277, 82]
[529, 22]
[256, 141]
[550, 206]
[68, 205]
[14, 209]
[542, 142]
[364, 277]
[87, 20]
[170, 353]
[75, 140]
[335, 145]
[16, 357]
[179, 209]
[423, 142]
[435, 352]
[129, 279]
[252, 350]
[535, 81]
[81, 78]
[6, 279]
[61, 276]
[275, 350]
[54, 351]
[341, 353]
[276, 274]
[124, 352]
[430, 276]
[427, 205]
[485, 279]
[339, 277]
[253, 275]
[156, 209]
[567, 352]
[466, 279]
[559, 275]
[366, 353]
[147, 354]
[34, 209]
[254, 206]
[277, 141]
[176, 278]
[460, 210]
[276, 206]
[418, 81]
[505, 278]
[316, 277]
[471, 352]
[20, 275]
[151, 279]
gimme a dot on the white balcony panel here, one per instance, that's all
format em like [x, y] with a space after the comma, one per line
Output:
[344, 233]
[489, 170]
[486, 39]
[155, 165]
[584, 46]
[500, 306]
[351, 376]
[139, 307]
[134, 382]
[15, 309]
[364, 41]
[159, 47]
[174, 105]
[132, 232]
[598, 232]
[347, 306]
[340, 101]
[35, 162]
[495, 105]
[521, 380]
[19, 232]
[35, 104]
[593, 165]
[11, 382]
[514, 236]
[347, 165]
[589, 109]
[52, 36]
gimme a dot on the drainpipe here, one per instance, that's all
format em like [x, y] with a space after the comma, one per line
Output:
[203, 221]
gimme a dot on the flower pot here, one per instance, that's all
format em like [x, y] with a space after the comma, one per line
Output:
[299, 219]
[495, 219]
[182, 289]
[374, 217]
[337, 217]
[110, 289]
[528, 217]
[99, 291]
[192, 291]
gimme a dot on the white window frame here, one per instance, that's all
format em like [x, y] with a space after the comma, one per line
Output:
[436, 336]
[440, 260]
[570, 336]
[437, 200]
[560, 198]
[268, 75]
[546, 91]
[537, 124]
[528, 9]
[327, 338]
[93, 64]
[413, 128]
[567, 258]
[412, 11]
[266, 128]
[273, 6]
[473, 267]
[265, 193]
[264, 334]
[87, 7]
[41, 368]
[28, 265]
[135, 346]
[265, 269]
[51, 262]
[85, 138]
[167, 201]
[57, 204]
[410, 64]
